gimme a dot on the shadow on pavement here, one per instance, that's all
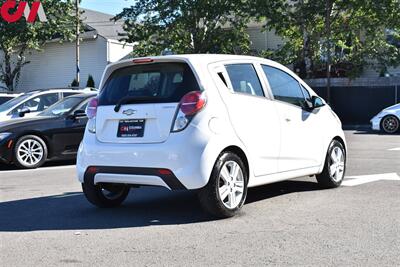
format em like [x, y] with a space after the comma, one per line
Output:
[5, 167]
[277, 189]
[365, 129]
[144, 207]
[371, 132]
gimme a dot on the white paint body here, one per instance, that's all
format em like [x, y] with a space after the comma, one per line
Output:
[281, 141]
[392, 110]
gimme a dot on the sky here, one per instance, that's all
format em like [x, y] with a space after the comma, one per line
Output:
[112, 7]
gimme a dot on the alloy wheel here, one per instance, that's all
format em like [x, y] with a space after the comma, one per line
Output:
[231, 184]
[337, 164]
[30, 152]
[390, 124]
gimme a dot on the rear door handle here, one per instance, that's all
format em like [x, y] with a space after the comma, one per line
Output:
[288, 120]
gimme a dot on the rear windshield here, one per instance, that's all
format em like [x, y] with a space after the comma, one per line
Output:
[151, 83]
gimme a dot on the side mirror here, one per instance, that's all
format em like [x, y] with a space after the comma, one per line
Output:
[24, 111]
[317, 102]
[78, 114]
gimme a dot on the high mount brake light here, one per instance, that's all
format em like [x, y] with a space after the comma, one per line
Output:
[191, 104]
[143, 60]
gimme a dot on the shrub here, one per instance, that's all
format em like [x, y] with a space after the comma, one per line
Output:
[74, 83]
[90, 82]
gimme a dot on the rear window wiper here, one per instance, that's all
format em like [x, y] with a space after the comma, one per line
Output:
[133, 100]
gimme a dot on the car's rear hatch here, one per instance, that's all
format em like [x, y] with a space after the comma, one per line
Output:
[138, 103]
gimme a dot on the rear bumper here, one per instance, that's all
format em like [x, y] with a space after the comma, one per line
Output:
[184, 154]
[132, 175]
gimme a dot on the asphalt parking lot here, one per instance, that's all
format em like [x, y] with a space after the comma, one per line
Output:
[45, 220]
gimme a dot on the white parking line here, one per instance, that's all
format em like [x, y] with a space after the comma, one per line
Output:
[394, 149]
[41, 169]
[363, 179]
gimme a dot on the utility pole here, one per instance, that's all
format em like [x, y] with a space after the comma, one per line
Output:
[328, 48]
[77, 43]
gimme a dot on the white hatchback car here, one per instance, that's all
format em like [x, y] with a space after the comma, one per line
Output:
[216, 123]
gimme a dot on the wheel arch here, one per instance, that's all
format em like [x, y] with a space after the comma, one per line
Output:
[241, 154]
[211, 154]
[340, 140]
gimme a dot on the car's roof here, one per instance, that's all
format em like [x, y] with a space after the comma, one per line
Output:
[83, 96]
[204, 58]
[38, 91]
[198, 62]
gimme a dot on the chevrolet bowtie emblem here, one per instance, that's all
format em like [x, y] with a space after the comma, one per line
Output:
[129, 112]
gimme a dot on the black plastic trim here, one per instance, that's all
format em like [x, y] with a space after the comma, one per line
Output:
[169, 179]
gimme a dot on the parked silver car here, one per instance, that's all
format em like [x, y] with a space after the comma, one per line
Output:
[4, 97]
[388, 120]
[32, 103]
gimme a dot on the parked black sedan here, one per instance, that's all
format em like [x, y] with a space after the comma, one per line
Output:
[54, 134]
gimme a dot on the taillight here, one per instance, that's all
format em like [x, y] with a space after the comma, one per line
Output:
[91, 108]
[91, 111]
[189, 106]
[192, 103]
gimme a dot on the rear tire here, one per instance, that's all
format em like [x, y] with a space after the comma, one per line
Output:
[105, 195]
[335, 166]
[30, 152]
[226, 191]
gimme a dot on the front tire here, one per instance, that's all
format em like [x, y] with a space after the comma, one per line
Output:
[335, 166]
[30, 152]
[390, 124]
[105, 195]
[226, 191]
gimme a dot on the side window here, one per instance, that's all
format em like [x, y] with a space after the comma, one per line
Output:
[221, 76]
[83, 105]
[39, 103]
[47, 100]
[4, 99]
[306, 93]
[244, 79]
[284, 87]
[69, 94]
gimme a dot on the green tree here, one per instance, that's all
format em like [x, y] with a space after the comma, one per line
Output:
[19, 38]
[90, 82]
[187, 26]
[318, 33]
[74, 83]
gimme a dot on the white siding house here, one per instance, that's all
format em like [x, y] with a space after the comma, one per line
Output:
[54, 66]
[263, 40]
